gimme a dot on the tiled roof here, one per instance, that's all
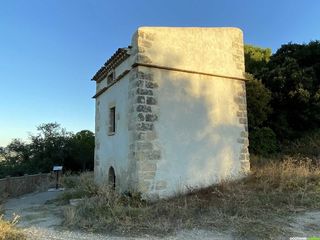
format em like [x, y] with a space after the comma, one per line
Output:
[118, 57]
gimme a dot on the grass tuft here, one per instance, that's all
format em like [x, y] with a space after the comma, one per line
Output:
[8, 230]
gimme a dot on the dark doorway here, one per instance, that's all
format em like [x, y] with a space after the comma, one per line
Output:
[112, 178]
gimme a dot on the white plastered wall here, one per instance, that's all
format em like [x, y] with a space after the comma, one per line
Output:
[112, 150]
[198, 130]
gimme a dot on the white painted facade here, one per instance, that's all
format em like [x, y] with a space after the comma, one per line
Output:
[181, 118]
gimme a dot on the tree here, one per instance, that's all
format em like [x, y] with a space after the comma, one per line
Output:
[262, 139]
[256, 58]
[293, 77]
[258, 102]
[82, 151]
[15, 157]
[50, 146]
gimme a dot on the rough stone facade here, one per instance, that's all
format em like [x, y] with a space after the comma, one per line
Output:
[184, 121]
[143, 112]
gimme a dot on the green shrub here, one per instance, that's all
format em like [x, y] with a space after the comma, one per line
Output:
[263, 141]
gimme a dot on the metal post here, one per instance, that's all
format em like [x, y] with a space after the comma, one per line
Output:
[57, 179]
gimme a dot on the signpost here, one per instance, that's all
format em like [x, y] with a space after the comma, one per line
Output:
[57, 170]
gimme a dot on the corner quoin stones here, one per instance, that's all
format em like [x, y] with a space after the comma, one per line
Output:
[143, 113]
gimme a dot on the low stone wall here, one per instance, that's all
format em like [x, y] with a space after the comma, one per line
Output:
[16, 186]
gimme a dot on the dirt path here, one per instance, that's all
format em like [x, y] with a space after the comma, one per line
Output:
[42, 221]
[34, 211]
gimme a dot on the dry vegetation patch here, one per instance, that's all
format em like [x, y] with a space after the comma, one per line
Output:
[257, 206]
[8, 230]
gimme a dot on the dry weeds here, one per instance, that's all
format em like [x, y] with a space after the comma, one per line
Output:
[8, 230]
[258, 206]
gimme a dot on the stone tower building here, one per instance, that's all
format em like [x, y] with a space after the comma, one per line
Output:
[171, 111]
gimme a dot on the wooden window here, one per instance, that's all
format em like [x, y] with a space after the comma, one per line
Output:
[112, 120]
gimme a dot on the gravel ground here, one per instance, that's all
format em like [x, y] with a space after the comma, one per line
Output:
[36, 233]
[42, 221]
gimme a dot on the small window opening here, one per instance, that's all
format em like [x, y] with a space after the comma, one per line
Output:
[112, 120]
[112, 178]
[110, 78]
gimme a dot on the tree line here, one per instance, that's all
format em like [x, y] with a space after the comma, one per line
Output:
[51, 145]
[283, 97]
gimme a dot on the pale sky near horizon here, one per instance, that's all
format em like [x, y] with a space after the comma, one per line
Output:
[49, 50]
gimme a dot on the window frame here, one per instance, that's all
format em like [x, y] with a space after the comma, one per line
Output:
[112, 121]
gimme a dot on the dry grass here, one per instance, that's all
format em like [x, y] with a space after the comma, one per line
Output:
[8, 231]
[258, 206]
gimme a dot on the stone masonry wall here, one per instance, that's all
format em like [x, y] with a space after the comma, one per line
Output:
[143, 113]
[241, 101]
[144, 150]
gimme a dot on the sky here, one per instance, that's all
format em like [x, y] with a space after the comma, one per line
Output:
[50, 49]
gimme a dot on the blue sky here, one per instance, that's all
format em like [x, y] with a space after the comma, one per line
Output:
[50, 49]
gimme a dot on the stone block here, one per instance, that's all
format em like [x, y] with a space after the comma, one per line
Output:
[140, 117]
[145, 76]
[151, 101]
[142, 58]
[144, 43]
[161, 185]
[147, 175]
[244, 150]
[150, 84]
[151, 117]
[142, 91]
[243, 120]
[151, 135]
[147, 166]
[149, 36]
[245, 166]
[141, 146]
[239, 113]
[138, 83]
[143, 108]
[141, 156]
[140, 99]
[140, 136]
[242, 107]
[244, 134]
[154, 155]
[144, 126]
[239, 100]
[144, 186]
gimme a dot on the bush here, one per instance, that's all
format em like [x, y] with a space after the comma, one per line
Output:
[78, 186]
[263, 141]
[8, 231]
[308, 145]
